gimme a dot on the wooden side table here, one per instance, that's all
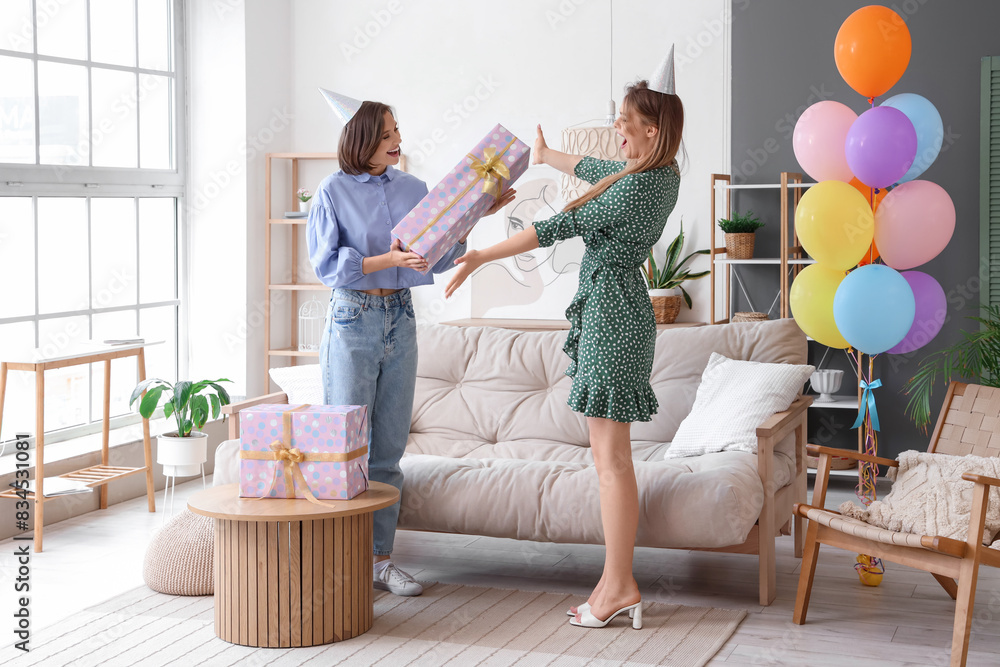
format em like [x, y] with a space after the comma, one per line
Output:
[289, 572]
[93, 476]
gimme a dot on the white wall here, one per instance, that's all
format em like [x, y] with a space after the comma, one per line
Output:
[451, 70]
[215, 213]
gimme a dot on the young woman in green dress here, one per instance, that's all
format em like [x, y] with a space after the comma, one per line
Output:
[612, 334]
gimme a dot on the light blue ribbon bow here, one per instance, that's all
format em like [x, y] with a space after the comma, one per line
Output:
[868, 402]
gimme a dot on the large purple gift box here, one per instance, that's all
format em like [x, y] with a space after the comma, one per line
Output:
[456, 204]
[327, 444]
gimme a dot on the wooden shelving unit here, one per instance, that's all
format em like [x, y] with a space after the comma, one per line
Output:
[294, 288]
[790, 252]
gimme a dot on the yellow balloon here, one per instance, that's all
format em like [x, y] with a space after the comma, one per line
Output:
[835, 224]
[811, 300]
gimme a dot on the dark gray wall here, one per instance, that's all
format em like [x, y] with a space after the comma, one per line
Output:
[783, 61]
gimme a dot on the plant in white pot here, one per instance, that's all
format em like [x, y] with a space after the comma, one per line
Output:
[182, 452]
[667, 280]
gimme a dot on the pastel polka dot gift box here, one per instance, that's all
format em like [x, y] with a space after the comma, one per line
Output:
[308, 451]
[453, 207]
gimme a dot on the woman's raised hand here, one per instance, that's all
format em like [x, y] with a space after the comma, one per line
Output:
[538, 152]
[406, 260]
[467, 263]
[506, 197]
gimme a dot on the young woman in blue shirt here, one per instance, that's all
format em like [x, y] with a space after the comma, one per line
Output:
[368, 353]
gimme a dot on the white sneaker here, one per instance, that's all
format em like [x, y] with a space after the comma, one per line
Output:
[391, 578]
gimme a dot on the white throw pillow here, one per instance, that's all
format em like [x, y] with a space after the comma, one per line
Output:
[733, 399]
[929, 497]
[303, 384]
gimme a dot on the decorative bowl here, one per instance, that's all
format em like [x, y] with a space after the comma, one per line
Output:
[826, 382]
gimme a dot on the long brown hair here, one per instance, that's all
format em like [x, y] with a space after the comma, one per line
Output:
[361, 136]
[662, 110]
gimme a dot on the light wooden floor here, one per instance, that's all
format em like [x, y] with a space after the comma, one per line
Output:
[905, 621]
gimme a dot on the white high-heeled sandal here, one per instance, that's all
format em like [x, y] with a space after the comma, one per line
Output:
[588, 620]
[585, 607]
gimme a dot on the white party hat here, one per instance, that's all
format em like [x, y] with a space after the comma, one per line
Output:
[663, 80]
[345, 107]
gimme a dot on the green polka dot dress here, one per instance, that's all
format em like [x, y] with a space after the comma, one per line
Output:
[612, 330]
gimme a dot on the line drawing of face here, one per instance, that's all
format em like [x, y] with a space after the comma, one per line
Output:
[535, 203]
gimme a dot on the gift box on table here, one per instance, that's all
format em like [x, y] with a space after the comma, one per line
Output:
[284, 448]
[456, 204]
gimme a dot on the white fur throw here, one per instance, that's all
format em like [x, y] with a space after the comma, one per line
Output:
[929, 497]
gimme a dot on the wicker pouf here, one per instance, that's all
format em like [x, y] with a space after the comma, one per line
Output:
[749, 317]
[179, 557]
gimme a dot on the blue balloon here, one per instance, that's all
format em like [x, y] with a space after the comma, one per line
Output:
[874, 308]
[930, 130]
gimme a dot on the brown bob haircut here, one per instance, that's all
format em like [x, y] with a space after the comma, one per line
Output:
[361, 137]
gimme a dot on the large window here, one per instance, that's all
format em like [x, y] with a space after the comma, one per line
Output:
[91, 187]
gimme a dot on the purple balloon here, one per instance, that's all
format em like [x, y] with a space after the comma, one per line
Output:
[881, 146]
[931, 310]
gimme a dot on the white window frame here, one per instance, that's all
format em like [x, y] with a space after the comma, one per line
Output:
[38, 180]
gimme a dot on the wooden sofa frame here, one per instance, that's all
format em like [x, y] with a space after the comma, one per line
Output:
[776, 517]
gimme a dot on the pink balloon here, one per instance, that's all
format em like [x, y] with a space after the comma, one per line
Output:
[818, 141]
[929, 315]
[913, 224]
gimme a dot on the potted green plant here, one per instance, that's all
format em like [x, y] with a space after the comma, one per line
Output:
[182, 451]
[739, 230]
[976, 357]
[303, 195]
[667, 279]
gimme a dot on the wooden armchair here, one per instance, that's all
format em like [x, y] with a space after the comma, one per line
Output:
[969, 424]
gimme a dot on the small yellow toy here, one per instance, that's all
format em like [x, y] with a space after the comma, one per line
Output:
[869, 569]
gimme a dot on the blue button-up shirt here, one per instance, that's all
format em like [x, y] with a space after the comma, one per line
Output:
[352, 217]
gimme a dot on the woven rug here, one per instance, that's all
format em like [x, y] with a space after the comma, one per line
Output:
[460, 626]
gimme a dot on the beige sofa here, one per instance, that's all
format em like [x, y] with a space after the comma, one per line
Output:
[494, 450]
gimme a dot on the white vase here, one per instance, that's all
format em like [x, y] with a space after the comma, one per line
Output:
[827, 383]
[303, 206]
[673, 291]
[182, 457]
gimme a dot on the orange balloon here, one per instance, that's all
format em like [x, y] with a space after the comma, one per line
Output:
[866, 192]
[870, 256]
[872, 50]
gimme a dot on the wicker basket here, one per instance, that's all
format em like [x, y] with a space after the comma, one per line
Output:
[739, 246]
[749, 317]
[666, 308]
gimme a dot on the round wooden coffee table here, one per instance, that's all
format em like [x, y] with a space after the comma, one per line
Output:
[289, 572]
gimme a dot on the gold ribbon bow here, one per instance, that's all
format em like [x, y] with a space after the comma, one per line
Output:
[289, 460]
[491, 170]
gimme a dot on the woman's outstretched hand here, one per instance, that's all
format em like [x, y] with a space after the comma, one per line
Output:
[506, 197]
[538, 152]
[467, 263]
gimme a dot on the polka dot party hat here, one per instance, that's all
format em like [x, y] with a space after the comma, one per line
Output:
[345, 107]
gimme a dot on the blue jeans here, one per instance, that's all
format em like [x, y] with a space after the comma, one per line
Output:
[369, 357]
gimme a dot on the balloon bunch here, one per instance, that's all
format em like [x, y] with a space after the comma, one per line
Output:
[868, 221]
